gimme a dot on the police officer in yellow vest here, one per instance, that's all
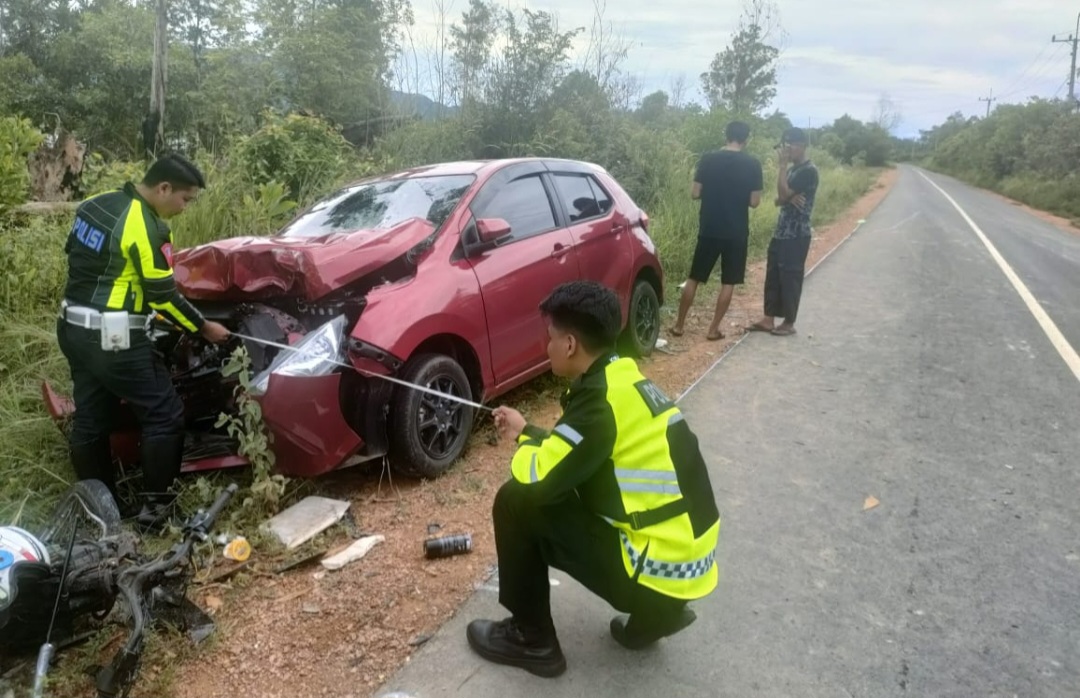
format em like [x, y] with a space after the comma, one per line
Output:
[617, 496]
[119, 274]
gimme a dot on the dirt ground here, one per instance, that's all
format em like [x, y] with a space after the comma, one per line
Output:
[1063, 223]
[342, 634]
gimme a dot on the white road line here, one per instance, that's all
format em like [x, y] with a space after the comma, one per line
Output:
[1072, 360]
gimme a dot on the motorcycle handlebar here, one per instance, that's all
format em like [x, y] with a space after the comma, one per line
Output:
[204, 522]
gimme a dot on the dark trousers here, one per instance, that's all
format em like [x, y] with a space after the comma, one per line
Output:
[101, 379]
[530, 538]
[784, 274]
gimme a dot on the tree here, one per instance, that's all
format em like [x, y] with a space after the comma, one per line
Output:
[332, 57]
[604, 56]
[853, 142]
[471, 42]
[654, 109]
[742, 78]
[887, 115]
[522, 78]
[203, 25]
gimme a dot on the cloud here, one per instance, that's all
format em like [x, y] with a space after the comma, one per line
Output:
[932, 56]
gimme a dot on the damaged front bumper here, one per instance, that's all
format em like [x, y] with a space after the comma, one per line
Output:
[316, 414]
[302, 413]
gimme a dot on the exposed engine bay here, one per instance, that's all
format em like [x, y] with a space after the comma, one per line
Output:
[197, 366]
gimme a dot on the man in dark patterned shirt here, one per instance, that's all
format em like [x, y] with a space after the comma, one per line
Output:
[796, 186]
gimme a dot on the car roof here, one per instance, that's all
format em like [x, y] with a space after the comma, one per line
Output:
[481, 168]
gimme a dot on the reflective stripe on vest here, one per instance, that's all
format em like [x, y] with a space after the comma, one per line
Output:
[668, 570]
[635, 480]
[533, 476]
[569, 433]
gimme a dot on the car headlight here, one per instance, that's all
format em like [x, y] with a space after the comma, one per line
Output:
[319, 353]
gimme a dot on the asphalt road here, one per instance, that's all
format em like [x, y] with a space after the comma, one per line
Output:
[922, 379]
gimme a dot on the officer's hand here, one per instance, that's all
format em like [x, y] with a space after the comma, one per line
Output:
[799, 201]
[508, 422]
[215, 332]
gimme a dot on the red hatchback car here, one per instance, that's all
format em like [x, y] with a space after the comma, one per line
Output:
[434, 276]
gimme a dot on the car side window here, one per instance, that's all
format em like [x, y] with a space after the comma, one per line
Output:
[579, 201]
[602, 198]
[524, 204]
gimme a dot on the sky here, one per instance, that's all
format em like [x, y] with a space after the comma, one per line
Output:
[932, 57]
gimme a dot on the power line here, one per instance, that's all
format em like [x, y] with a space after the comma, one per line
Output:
[1039, 72]
[1016, 81]
[1073, 39]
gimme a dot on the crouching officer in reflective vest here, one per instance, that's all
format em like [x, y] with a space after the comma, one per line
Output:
[617, 496]
[119, 274]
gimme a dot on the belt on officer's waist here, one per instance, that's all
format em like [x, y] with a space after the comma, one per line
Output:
[90, 319]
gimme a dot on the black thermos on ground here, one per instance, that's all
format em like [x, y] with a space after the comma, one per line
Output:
[448, 545]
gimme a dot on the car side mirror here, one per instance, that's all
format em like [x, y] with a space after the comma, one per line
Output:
[491, 230]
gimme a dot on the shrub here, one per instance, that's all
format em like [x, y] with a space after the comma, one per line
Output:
[17, 140]
[302, 152]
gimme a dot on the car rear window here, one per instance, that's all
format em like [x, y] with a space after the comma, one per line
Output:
[382, 204]
[582, 196]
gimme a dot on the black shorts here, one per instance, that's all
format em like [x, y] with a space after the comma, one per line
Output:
[732, 256]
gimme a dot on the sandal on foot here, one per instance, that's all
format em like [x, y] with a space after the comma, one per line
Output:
[715, 337]
[758, 327]
[784, 331]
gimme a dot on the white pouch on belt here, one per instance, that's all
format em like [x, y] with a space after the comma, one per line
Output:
[115, 331]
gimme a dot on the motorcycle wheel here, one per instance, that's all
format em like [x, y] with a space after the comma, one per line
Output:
[90, 505]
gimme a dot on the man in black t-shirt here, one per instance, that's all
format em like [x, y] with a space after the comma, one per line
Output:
[729, 183]
[796, 186]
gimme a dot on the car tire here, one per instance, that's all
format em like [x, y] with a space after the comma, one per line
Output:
[643, 325]
[89, 503]
[428, 433]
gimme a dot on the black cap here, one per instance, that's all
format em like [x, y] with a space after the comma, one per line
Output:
[795, 136]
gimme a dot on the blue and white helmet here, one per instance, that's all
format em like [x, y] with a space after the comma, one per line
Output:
[17, 547]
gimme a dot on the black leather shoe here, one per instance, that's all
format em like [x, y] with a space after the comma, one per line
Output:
[508, 642]
[633, 634]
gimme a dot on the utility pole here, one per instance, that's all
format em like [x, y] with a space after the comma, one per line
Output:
[1073, 39]
[153, 129]
[988, 101]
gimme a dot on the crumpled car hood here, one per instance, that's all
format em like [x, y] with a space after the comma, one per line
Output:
[248, 268]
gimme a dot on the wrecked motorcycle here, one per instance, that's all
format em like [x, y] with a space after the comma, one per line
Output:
[84, 566]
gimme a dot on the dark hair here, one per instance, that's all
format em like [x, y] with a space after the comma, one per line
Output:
[795, 136]
[587, 310]
[177, 170]
[737, 132]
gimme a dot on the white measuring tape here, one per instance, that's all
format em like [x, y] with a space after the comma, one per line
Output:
[398, 381]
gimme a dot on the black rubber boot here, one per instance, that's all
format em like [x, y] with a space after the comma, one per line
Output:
[635, 632]
[511, 643]
[160, 458]
[154, 515]
[93, 461]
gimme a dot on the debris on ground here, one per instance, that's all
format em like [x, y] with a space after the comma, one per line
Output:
[448, 545]
[300, 561]
[870, 503]
[238, 549]
[352, 553]
[306, 519]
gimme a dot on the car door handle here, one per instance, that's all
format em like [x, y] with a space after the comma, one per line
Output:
[560, 250]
